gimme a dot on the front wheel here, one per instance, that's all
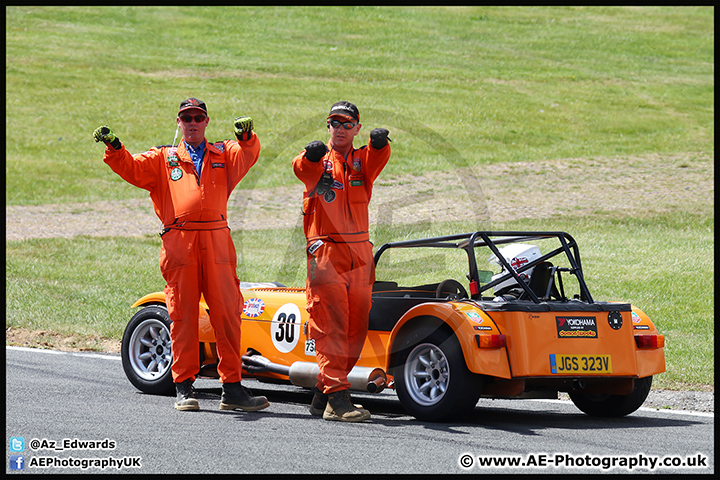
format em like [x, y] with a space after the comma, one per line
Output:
[599, 405]
[147, 351]
[432, 380]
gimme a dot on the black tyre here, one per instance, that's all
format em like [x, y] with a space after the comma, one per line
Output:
[432, 380]
[147, 351]
[599, 405]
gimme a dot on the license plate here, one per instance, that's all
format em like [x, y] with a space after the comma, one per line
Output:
[587, 364]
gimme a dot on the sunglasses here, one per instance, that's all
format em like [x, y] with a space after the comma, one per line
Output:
[337, 123]
[189, 118]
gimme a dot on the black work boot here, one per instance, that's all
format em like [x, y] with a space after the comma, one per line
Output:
[340, 409]
[185, 398]
[235, 396]
[319, 402]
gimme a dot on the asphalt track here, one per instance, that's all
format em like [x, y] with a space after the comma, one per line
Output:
[68, 409]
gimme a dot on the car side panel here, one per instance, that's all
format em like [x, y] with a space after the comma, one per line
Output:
[273, 323]
[375, 351]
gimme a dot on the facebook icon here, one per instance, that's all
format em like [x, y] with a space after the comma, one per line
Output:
[17, 462]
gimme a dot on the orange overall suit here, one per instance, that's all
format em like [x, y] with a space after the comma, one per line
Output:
[198, 254]
[341, 270]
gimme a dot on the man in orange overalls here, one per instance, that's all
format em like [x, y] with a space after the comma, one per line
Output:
[341, 271]
[189, 186]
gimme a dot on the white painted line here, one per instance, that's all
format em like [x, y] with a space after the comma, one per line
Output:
[647, 409]
[58, 352]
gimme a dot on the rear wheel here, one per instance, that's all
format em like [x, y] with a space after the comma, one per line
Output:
[432, 380]
[147, 351]
[599, 405]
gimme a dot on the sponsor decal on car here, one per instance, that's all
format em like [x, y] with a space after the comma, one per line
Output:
[576, 327]
[253, 307]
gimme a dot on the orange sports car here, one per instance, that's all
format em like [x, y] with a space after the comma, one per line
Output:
[442, 332]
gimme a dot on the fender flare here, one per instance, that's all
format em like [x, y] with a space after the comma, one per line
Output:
[493, 362]
[158, 298]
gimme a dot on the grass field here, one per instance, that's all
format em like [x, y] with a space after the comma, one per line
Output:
[457, 87]
[498, 84]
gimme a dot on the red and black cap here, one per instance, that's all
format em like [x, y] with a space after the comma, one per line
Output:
[192, 103]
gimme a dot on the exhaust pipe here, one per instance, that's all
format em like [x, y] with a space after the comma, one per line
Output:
[364, 379]
[304, 374]
[258, 363]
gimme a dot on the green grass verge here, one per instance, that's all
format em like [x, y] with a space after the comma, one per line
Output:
[498, 84]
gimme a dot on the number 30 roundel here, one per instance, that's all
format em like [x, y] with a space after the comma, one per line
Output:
[285, 327]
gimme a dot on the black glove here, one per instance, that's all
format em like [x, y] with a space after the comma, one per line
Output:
[379, 138]
[104, 134]
[315, 150]
[243, 128]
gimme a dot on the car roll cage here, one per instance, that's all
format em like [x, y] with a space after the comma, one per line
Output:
[491, 239]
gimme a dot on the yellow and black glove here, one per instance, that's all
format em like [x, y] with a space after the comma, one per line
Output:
[243, 128]
[104, 134]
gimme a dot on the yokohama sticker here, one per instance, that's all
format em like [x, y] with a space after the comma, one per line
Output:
[253, 308]
[576, 327]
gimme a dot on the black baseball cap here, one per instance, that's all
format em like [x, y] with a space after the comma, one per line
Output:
[345, 109]
[192, 103]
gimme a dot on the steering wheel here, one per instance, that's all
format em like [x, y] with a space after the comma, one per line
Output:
[451, 289]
